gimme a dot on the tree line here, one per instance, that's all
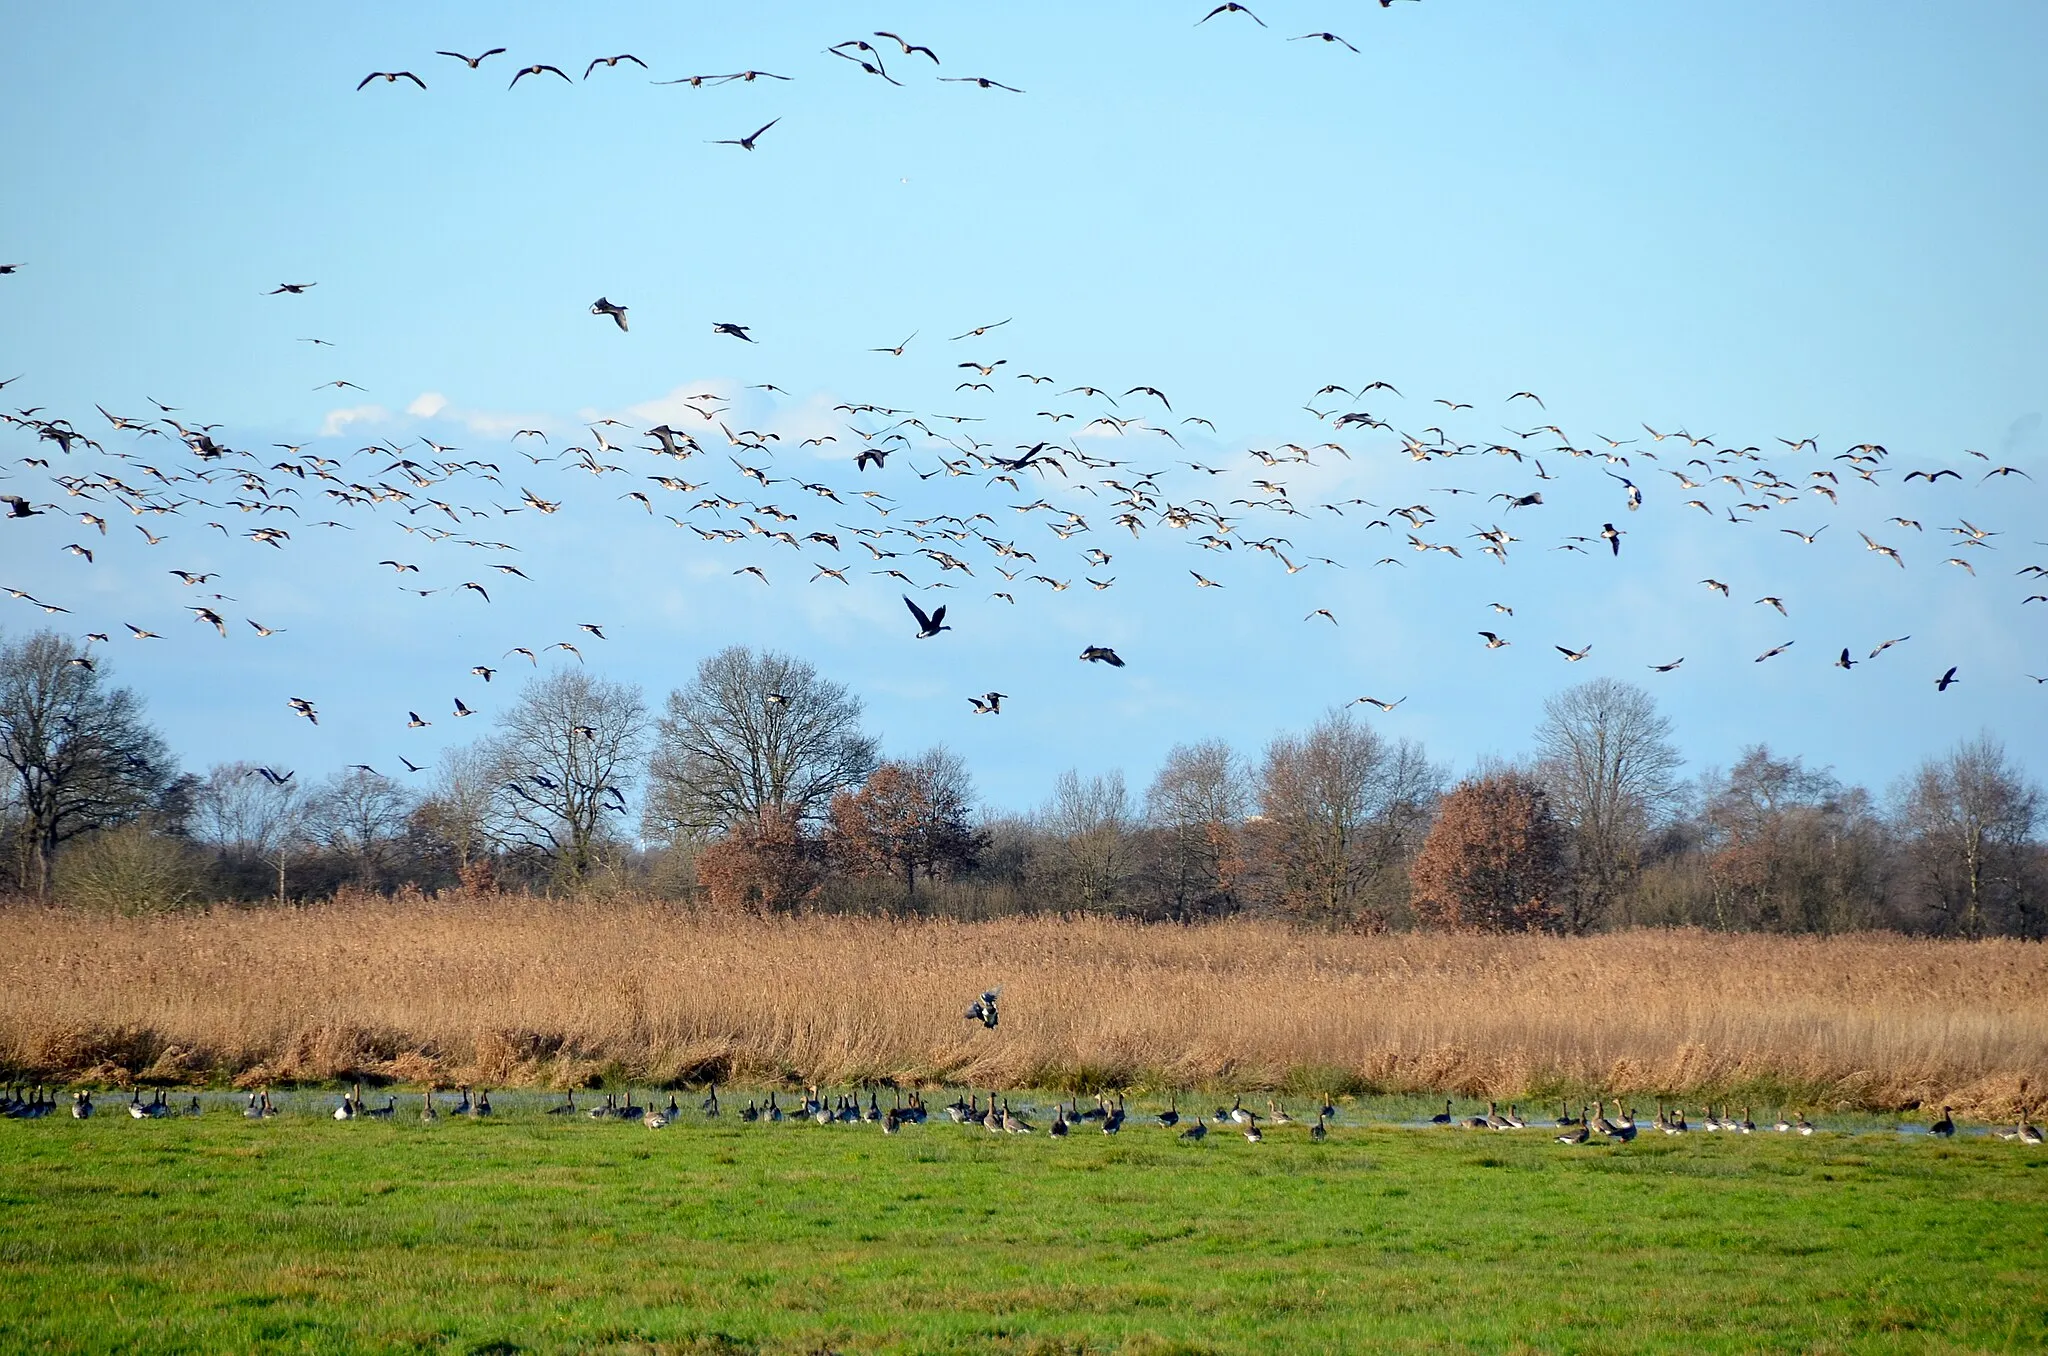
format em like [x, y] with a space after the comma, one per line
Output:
[756, 786]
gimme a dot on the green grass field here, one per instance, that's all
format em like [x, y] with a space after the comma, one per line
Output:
[522, 1233]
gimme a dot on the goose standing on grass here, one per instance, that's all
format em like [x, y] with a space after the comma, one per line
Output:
[1195, 1133]
[1600, 1125]
[1277, 1114]
[1945, 1127]
[382, 1113]
[1564, 1116]
[461, 1107]
[1803, 1125]
[347, 1110]
[1783, 1126]
[1443, 1117]
[654, 1120]
[2029, 1133]
[1493, 1120]
[1746, 1125]
[1578, 1135]
[1513, 1120]
[751, 1114]
[81, 1106]
[1058, 1128]
[1320, 1131]
[427, 1112]
[1252, 1133]
[1328, 1110]
[1113, 1123]
[253, 1111]
[567, 1107]
[1014, 1125]
[1625, 1128]
[1171, 1116]
[709, 1106]
[774, 1112]
[135, 1107]
[483, 1104]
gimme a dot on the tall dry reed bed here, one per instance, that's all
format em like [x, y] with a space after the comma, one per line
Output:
[509, 990]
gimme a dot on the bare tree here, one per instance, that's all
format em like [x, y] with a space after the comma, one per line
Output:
[1609, 765]
[756, 738]
[1089, 851]
[80, 755]
[1198, 803]
[1968, 823]
[247, 815]
[360, 815]
[1339, 810]
[457, 810]
[562, 757]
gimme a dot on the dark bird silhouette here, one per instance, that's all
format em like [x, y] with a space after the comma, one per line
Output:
[472, 61]
[612, 61]
[927, 625]
[540, 68]
[293, 289]
[746, 143]
[736, 331]
[1946, 681]
[908, 47]
[1230, 7]
[1102, 654]
[391, 78]
[980, 80]
[1331, 37]
[617, 312]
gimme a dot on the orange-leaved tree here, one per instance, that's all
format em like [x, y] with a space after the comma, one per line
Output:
[764, 865]
[908, 817]
[1493, 861]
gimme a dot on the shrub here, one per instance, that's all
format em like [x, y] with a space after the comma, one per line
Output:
[131, 869]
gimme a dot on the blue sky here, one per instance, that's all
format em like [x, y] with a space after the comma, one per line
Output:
[1742, 222]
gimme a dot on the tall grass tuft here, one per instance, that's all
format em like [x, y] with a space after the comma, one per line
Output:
[510, 990]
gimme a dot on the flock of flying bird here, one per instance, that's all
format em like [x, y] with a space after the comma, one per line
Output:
[1042, 510]
[1124, 469]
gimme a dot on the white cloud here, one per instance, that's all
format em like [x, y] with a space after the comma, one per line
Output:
[427, 404]
[338, 420]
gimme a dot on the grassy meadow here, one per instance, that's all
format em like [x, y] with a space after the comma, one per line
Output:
[525, 1233]
[514, 991]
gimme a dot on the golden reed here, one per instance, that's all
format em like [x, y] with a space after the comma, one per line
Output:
[508, 990]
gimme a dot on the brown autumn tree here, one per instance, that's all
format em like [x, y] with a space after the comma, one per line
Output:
[907, 818]
[765, 865]
[1493, 861]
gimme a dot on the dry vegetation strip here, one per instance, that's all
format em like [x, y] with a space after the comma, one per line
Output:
[509, 990]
